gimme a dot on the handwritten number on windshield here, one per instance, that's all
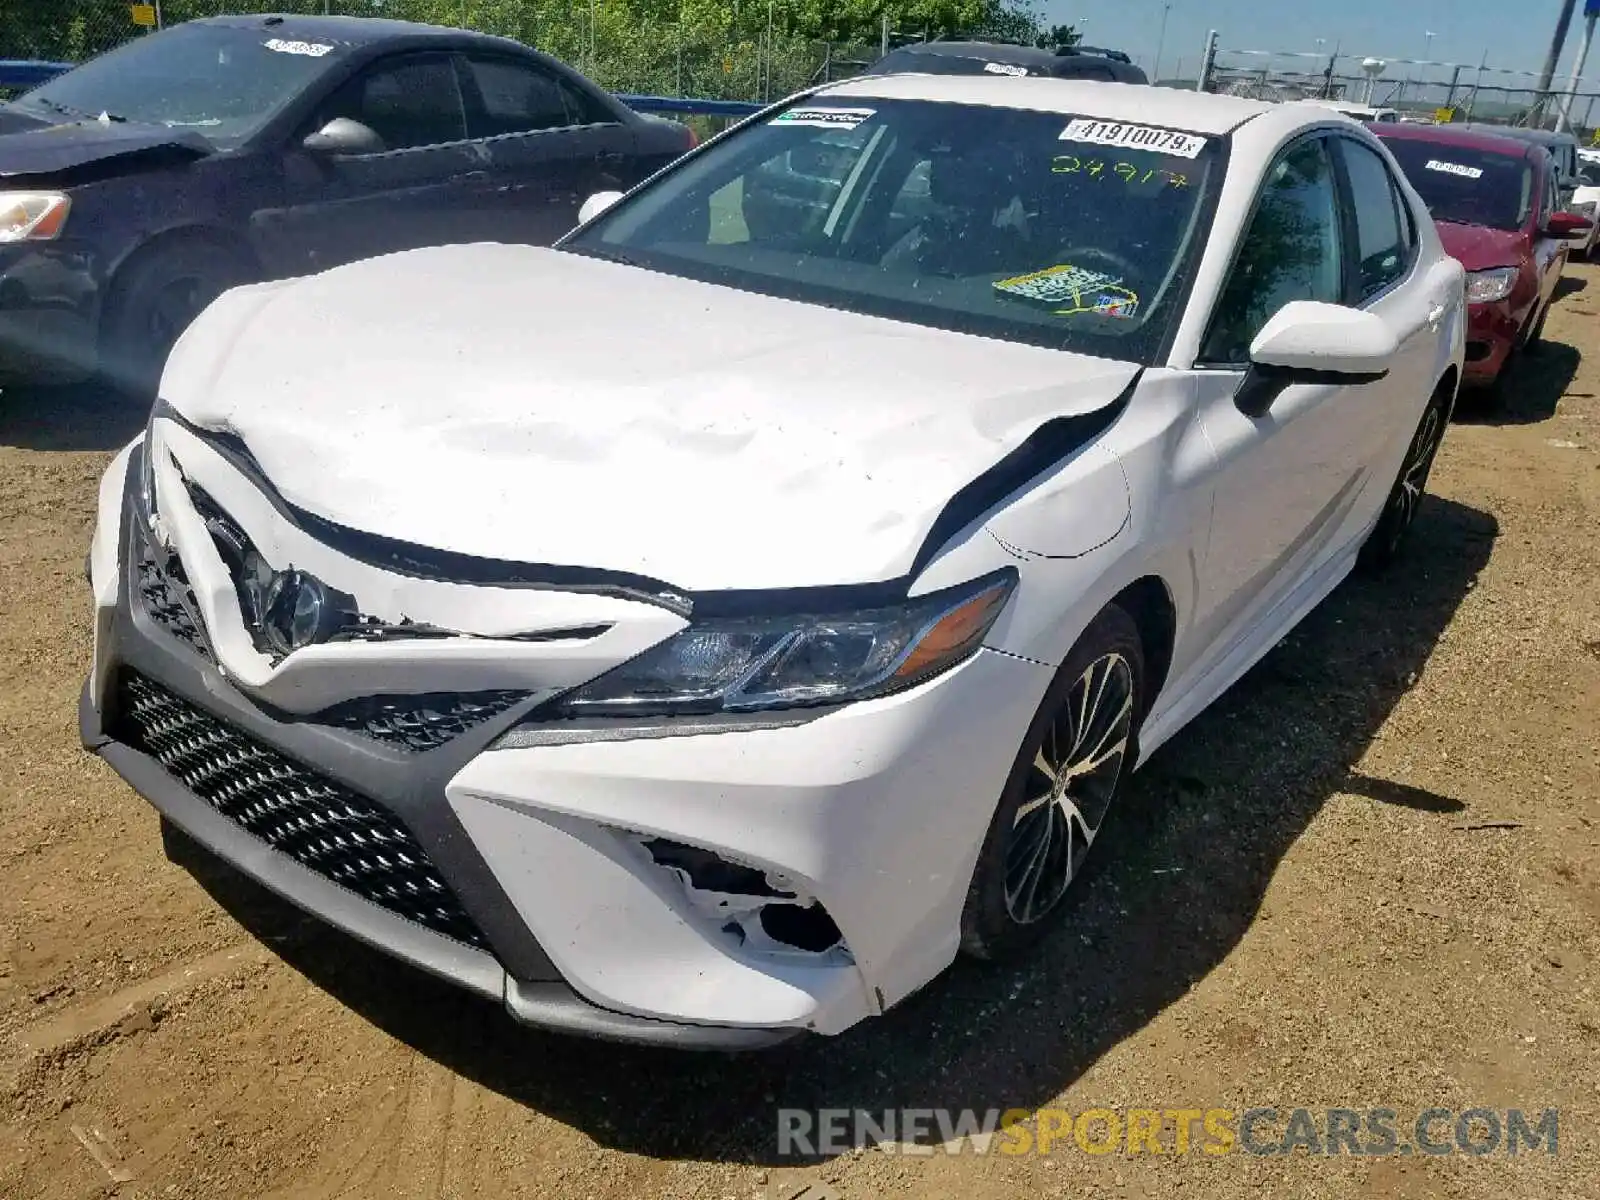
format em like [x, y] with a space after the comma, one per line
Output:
[1071, 164]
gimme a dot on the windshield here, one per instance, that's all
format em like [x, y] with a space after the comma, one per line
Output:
[1059, 231]
[1468, 186]
[220, 81]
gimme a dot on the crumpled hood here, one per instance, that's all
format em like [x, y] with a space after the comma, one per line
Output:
[31, 147]
[536, 406]
[1477, 247]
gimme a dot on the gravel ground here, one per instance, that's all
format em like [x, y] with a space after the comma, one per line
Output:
[1369, 877]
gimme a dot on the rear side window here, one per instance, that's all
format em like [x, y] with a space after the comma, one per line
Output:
[1381, 241]
[520, 97]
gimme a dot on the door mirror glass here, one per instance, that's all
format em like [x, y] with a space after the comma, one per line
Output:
[1325, 343]
[1567, 225]
[344, 136]
[597, 204]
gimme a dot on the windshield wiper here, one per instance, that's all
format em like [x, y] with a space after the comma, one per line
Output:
[615, 256]
[67, 110]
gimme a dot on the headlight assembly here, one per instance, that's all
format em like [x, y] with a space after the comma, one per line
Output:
[32, 216]
[1485, 287]
[752, 664]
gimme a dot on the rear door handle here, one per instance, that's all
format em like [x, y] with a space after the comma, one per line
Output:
[1435, 315]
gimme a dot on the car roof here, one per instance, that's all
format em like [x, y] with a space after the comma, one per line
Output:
[1540, 137]
[1457, 135]
[1006, 52]
[1191, 112]
[351, 31]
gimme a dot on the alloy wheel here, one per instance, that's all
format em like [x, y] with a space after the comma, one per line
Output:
[1414, 475]
[1070, 787]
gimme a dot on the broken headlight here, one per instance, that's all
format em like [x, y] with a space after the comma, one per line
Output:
[746, 664]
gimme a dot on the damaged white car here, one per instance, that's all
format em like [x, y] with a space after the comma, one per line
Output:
[701, 631]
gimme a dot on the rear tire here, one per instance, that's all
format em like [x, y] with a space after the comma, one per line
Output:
[153, 300]
[1387, 539]
[1073, 764]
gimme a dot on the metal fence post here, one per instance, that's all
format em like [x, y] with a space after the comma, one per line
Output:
[1207, 62]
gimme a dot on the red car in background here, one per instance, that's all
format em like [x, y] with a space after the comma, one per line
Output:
[1496, 204]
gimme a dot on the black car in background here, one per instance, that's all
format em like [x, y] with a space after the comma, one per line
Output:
[138, 186]
[1005, 58]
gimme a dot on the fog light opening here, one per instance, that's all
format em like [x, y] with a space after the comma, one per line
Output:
[805, 927]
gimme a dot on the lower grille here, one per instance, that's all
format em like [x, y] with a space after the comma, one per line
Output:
[320, 824]
[418, 722]
[168, 598]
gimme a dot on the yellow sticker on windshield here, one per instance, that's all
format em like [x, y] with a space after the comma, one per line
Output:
[1076, 289]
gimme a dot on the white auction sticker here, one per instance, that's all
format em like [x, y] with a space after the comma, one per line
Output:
[1134, 137]
[1455, 169]
[310, 49]
[824, 118]
[995, 68]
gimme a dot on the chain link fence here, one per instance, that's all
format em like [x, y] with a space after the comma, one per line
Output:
[714, 55]
[1414, 87]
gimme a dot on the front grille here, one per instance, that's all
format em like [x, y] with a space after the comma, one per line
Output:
[418, 722]
[168, 598]
[320, 824]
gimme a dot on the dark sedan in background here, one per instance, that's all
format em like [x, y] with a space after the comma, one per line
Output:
[138, 186]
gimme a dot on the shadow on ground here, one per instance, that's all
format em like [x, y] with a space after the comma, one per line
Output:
[68, 418]
[1203, 831]
[1529, 393]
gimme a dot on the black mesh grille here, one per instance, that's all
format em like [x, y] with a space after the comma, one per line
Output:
[164, 593]
[315, 821]
[418, 722]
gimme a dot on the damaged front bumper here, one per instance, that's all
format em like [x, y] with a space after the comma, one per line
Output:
[723, 886]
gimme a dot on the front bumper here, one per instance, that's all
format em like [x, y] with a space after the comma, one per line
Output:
[874, 811]
[1492, 332]
[49, 314]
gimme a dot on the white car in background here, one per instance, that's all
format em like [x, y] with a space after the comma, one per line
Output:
[1586, 201]
[699, 632]
[1359, 112]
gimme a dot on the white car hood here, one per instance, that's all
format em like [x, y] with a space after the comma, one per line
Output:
[537, 406]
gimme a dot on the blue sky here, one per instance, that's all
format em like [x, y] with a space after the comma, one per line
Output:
[1516, 33]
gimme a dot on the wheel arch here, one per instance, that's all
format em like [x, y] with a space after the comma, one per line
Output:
[166, 242]
[1148, 600]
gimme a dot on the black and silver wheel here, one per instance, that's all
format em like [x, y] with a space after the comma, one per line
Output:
[1387, 538]
[1074, 760]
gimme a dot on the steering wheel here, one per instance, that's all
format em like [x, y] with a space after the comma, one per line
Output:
[1077, 255]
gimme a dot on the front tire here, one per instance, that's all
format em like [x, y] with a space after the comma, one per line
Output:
[1074, 761]
[1387, 539]
[154, 300]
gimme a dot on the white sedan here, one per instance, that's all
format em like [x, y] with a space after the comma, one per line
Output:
[701, 631]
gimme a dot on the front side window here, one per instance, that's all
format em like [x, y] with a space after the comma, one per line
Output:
[1050, 229]
[1465, 185]
[407, 102]
[1380, 237]
[1292, 250]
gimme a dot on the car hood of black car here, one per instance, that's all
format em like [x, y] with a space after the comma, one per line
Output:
[33, 146]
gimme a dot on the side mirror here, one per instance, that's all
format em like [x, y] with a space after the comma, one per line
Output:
[344, 136]
[1312, 342]
[1564, 225]
[597, 204]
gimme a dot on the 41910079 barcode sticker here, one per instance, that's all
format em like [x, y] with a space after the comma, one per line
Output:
[1134, 137]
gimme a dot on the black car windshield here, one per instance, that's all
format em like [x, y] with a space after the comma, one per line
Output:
[1467, 185]
[1056, 230]
[221, 81]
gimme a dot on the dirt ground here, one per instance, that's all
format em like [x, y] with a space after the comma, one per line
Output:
[1369, 877]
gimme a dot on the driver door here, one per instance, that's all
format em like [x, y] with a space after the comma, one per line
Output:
[343, 207]
[1286, 480]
